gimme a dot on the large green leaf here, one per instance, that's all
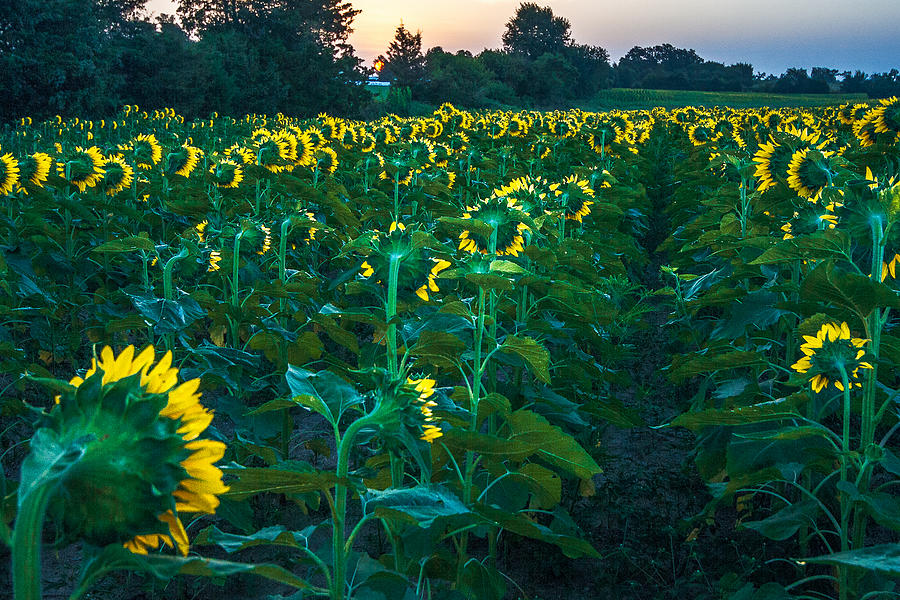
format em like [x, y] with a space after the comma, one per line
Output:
[438, 346]
[418, 506]
[819, 246]
[535, 356]
[323, 392]
[521, 525]
[167, 316]
[851, 291]
[775, 410]
[115, 557]
[276, 535]
[129, 244]
[688, 365]
[552, 444]
[884, 558]
[787, 521]
[280, 479]
[488, 445]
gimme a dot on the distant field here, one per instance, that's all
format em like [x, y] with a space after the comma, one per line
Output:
[630, 99]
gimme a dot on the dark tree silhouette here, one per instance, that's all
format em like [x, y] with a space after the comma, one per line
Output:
[535, 30]
[404, 63]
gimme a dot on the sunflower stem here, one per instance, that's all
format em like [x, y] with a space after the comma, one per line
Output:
[339, 516]
[845, 503]
[478, 368]
[26, 563]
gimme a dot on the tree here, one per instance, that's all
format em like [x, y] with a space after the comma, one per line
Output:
[50, 57]
[328, 20]
[404, 63]
[592, 66]
[534, 30]
[456, 78]
[290, 56]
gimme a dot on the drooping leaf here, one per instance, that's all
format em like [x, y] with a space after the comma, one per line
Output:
[553, 444]
[519, 524]
[323, 392]
[533, 353]
[787, 521]
[278, 480]
[884, 558]
[418, 506]
[129, 244]
[852, 291]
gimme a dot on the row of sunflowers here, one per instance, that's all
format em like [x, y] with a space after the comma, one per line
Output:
[441, 311]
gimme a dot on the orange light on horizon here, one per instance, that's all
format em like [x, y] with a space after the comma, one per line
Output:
[379, 65]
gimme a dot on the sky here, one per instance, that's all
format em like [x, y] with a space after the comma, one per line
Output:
[772, 35]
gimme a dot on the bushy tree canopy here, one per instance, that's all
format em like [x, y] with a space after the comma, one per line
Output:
[534, 30]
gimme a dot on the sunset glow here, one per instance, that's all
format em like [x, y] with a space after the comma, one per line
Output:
[771, 34]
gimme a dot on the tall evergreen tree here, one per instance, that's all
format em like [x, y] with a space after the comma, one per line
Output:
[404, 63]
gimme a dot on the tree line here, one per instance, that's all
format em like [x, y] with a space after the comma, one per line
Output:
[292, 56]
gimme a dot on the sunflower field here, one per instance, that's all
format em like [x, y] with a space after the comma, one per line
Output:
[409, 358]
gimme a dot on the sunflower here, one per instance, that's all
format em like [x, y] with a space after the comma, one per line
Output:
[304, 150]
[9, 174]
[508, 229]
[34, 170]
[215, 257]
[701, 133]
[425, 389]
[147, 151]
[809, 172]
[575, 196]
[326, 160]
[431, 285]
[142, 463]
[865, 129]
[227, 173]
[530, 193]
[396, 169]
[890, 267]
[119, 175]
[886, 117]
[183, 161]
[84, 169]
[274, 153]
[238, 153]
[831, 350]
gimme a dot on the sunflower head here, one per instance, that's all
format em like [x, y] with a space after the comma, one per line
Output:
[183, 160]
[832, 350]
[574, 196]
[119, 175]
[84, 169]
[809, 172]
[227, 173]
[146, 150]
[9, 174]
[133, 432]
[424, 387]
[501, 217]
[35, 169]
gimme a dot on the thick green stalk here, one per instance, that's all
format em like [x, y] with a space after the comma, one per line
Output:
[478, 370]
[390, 312]
[845, 503]
[397, 466]
[396, 197]
[168, 288]
[235, 288]
[339, 552]
[26, 559]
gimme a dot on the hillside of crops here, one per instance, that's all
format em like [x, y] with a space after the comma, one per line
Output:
[472, 355]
